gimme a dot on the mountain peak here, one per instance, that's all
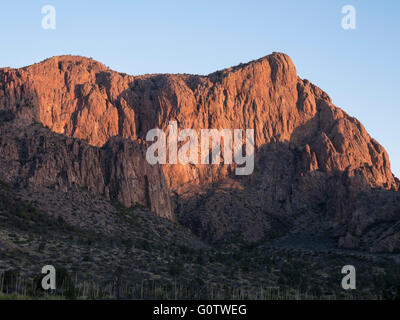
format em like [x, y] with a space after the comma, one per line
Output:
[279, 65]
[67, 62]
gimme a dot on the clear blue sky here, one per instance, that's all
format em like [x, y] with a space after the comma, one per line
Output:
[359, 69]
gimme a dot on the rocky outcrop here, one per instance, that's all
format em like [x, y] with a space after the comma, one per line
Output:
[34, 158]
[313, 161]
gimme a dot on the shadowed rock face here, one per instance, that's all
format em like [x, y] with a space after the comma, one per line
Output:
[33, 157]
[313, 161]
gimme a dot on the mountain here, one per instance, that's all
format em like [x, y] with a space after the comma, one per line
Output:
[70, 122]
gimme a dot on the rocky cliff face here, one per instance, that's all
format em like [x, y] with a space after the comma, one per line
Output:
[34, 158]
[313, 161]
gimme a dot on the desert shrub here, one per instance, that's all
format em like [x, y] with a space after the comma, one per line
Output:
[8, 281]
[143, 245]
[175, 268]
